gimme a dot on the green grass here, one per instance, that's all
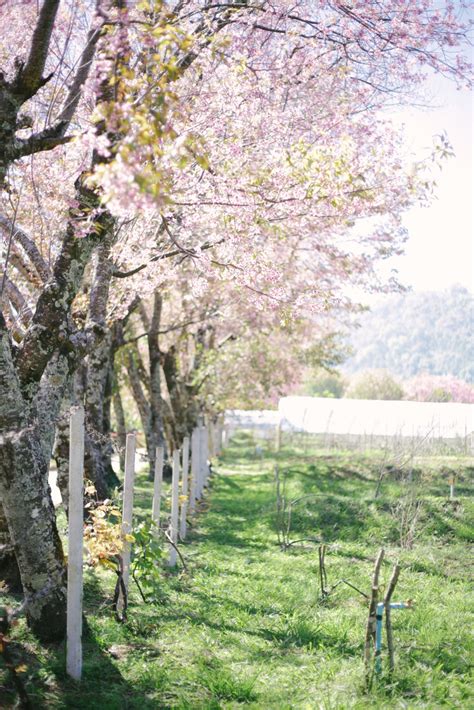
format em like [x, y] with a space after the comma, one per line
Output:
[244, 626]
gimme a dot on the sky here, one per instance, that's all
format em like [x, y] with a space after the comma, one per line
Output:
[440, 247]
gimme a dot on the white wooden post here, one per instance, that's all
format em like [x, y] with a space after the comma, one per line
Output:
[75, 544]
[211, 439]
[174, 508]
[127, 509]
[214, 439]
[225, 436]
[451, 487]
[201, 460]
[219, 435]
[204, 455]
[194, 470]
[200, 472]
[155, 511]
[184, 488]
[278, 436]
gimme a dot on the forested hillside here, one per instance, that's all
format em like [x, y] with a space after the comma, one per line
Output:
[412, 333]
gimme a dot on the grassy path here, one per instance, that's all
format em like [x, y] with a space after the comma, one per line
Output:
[244, 626]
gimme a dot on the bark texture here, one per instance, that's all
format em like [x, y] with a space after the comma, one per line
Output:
[28, 507]
[9, 572]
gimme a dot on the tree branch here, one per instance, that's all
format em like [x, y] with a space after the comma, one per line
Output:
[30, 76]
[28, 245]
[125, 274]
[18, 300]
[170, 328]
[49, 329]
[80, 78]
[45, 140]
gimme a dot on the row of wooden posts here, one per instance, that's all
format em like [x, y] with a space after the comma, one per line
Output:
[183, 503]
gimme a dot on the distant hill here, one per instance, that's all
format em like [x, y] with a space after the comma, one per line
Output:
[414, 333]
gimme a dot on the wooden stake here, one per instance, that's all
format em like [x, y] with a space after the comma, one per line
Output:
[371, 621]
[174, 508]
[388, 619]
[127, 511]
[184, 488]
[75, 544]
[322, 571]
[155, 511]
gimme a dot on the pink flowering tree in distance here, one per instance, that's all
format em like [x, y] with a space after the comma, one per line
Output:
[438, 388]
[244, 140]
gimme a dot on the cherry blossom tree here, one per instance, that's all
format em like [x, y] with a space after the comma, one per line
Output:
[35, 371]
[438, 388]
[243, 138]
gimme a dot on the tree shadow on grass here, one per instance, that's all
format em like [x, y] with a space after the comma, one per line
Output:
[221, 536]
[326, 510]
[292, 632]
[103, 687]
[297, 635]
[303, 634]
[449, 658]
[324, 477]
[332, 518]
[48, 685]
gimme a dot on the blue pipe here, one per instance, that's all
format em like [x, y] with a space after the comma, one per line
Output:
[378, 629]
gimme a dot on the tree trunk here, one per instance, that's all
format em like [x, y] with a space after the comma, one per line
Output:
[47, 402]
[9, 572]
[27, 418]
[32, 523]
[28, 507]
[98, 450]
[184, 405]
[74, 395]
[98, 443]
[120, 421]
[170, 370]
[156, 400]
[143, 409]
[61, 453]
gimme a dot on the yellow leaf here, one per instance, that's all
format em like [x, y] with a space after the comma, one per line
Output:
[107, 563]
